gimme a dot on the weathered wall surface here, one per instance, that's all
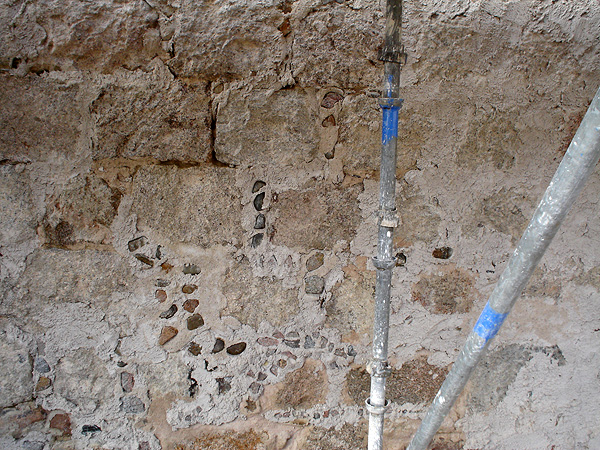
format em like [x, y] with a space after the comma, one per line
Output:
[187, 199]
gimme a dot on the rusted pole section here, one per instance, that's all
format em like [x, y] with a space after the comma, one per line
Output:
[392, 54]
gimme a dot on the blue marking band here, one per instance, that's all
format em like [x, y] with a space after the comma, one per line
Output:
[390, 123]
[489, 323]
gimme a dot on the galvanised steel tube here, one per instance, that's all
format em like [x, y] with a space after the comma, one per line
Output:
[575, 168]
[392, 54]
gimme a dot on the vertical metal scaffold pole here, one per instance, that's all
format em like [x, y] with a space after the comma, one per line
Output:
[392, 54]
[577, 165]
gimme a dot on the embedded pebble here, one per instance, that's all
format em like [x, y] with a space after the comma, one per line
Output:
[315, 261]
[267, 341]
[166, 267]
[41, 365]
[158, 252]
[160, 295]
[314, 285]
[293, 335]
[329, 121]
[256, 240]
[190, 305]
[258, 185]
[167, 334]
[191, 269]
[250, 373]
[61, 422]
[339, 352]
[258, 201]
[137, 243]
[274, 370]
[255, 388]
[195, 349]
[351, 351]
[219, 345]
[289, 355]
[330, 99]
[323, 342]
[43, 384]
[90, 429]
[259, 223]
[121, 364]
[442, 253]
[224, 385]
[162, 283]
[278, 335]
[188, 288]
[169, 312]
[309, 342]
[282, 363]
[132, 405]
[144, 259]
[236, 349]
[127, 381]
[261, 376]
[195, 321]
[292, 343]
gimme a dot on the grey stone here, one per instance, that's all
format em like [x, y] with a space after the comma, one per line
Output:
[258, 185]
[127, 381]
[219, 345]
[169, 312]
[194, 321]
[309, 342]
[191, 269]
[41, 365]
[144, 259]
[132, 405]
[314, 285]
[236, 349]
[259, 223]
[258, 201]
[137, 243]
[256, 240]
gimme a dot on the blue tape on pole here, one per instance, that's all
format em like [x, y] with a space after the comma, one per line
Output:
[390, 124]
[489, 323]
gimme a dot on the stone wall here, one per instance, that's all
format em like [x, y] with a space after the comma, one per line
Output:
[188, 196]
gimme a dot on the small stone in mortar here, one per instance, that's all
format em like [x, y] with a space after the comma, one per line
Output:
[144, 259]
[195, 321]
[259, 223]
[258, 185]
[167, 334]
[190, 304]
[219, 345]
[258, 201]
[195, 349]
[137, 243]
[189, 288]
[236, 349]
[169, 312]
[160, 295]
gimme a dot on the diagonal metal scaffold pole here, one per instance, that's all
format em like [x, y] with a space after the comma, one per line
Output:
[574, 170]
[392, 54]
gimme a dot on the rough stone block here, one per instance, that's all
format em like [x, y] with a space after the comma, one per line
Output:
[97, 36]
[342, 43]
[351, 306]
[82, 213]
[40, 120]
[264, 127]
[303, 388]
[16, 383]
[58, 276]
[146, 119]
[198, 205]
[449, 292]
[317, 216]
[253, 299]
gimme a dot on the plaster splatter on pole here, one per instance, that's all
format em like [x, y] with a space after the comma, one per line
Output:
[577, 165]
[392, 54]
